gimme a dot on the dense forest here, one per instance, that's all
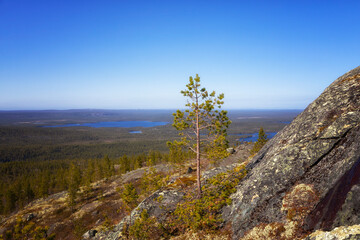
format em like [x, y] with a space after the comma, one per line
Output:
[24, 181]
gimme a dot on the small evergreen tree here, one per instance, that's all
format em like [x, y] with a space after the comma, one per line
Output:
[107, 167]
[10, 201]
[202, 128]
[262, 139]
[124, 164]
[129, 196]
[73, 182]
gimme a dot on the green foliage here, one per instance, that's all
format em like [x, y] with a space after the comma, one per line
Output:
[74, 180]
[79, 228]
[145, 227]
[152, 181]
[22, 182]
[177, 153]
[27, 230]
[202, 125]
[262, 139]
[202, 105]
[203, 213]
[129, 196]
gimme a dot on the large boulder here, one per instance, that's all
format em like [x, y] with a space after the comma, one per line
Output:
[320, 149]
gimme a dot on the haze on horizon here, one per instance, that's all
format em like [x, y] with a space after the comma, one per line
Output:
[140, 54]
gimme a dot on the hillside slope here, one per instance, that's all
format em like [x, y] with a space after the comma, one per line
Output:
[310, 168]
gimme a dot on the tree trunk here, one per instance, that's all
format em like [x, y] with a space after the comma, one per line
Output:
[198, 152]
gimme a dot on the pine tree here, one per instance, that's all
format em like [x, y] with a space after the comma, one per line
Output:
[124, 164]
[262, 139]
[10, 201]
[129, 196]
[73, 183]
[202, 127]
[107, 166]
[44, 184]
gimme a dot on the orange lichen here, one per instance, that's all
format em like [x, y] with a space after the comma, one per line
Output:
[350, 78]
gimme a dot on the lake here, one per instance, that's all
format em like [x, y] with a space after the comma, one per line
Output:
[252, 137]
[120, 124]
[135, 132]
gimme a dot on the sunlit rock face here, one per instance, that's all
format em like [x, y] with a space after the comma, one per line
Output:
[339, 233]
[321, 148]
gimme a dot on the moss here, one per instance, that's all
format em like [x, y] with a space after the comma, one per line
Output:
[183, 182]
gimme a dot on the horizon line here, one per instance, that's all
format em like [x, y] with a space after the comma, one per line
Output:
[141, 109]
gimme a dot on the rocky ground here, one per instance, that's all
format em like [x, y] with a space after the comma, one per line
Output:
[99, 208]
[304, 179]
[304, 183]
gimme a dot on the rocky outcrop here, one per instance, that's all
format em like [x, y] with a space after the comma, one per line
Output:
[340, 233]
[320, 148]
[163, 202]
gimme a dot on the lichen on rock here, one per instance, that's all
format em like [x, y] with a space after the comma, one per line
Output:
[320, 148]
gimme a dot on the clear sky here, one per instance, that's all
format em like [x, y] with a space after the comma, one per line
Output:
[68, 54]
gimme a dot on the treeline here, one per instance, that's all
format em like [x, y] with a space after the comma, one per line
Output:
[24, 181]
[78, 151]
[40, 144]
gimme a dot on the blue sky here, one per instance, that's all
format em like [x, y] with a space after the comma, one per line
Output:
[139, 54]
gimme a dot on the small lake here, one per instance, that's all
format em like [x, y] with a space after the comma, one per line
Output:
[120, 124]
[135, 132]
[252, 137]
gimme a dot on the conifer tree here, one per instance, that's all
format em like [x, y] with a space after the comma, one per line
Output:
[73, 182]
[262, 139]
[108, 167]
[202, 126]
[10, 201]
[129, 195]
[124, 164]
[44, 184]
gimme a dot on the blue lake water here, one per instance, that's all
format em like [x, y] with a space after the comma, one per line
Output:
[135, 132]
[121, 124]
[252, 137]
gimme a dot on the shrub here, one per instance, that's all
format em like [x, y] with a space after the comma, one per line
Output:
[204, 213]
[299, 202]
[145, 227]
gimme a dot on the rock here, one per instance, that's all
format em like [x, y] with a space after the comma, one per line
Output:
[89, 234]
[320, 148]
[159, 205]
[190, 170]
[340, 233]
[29, 217]
[230, 150]
[54, 227]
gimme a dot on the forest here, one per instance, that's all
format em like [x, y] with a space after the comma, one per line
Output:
[36, 162]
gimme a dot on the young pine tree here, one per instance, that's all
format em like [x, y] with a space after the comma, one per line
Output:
[74, 180]
[202, 126]
[262, 139]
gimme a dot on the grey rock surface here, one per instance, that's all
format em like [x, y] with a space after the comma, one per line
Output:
[158, 205]
[320, 147]
[163, 202]
[340, 233]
